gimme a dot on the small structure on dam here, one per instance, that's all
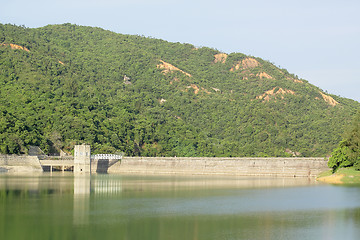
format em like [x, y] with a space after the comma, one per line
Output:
[81, 162]
[82, 159]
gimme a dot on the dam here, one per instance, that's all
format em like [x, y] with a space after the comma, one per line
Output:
[279, 167]
[84, 162]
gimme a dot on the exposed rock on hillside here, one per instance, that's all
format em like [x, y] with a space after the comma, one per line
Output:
[249, 63]
[329, 99]
[294, 80]
[216, 89]
[264, 75]
[220, 57]
[280, 92]
[246, 63]
[168, 68]
[15, 46]
[162, 101]
[197, 89]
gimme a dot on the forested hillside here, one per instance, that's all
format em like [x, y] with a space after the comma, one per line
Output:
[62, 85]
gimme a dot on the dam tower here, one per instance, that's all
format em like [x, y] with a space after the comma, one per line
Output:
[82, 159]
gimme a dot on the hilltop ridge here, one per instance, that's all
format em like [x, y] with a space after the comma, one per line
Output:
[66, 84]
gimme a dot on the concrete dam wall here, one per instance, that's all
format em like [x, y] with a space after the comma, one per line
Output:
[19, 163]
[281, 167]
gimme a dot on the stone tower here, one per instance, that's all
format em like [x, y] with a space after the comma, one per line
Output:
[82, 162]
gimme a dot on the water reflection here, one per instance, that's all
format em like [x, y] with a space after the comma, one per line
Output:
[82, 190]
[164, 183]
[175, 207]
[107, 185]
[82, 185]
[61, 184]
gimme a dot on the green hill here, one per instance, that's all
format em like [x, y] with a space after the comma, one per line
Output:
[62, 85]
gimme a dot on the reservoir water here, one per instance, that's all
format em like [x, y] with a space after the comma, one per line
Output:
[103, 207]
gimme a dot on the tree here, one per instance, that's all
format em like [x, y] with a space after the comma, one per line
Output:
[347, 154]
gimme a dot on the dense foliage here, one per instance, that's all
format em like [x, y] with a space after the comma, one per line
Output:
[62, 85]
[347, 154]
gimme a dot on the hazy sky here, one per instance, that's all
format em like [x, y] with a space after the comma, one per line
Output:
[318, 40]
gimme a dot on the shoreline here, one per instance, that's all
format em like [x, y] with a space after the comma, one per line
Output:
[332, 179]
[342, 176]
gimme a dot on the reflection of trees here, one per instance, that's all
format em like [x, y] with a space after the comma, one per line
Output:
[8, 194]
[354, 215]
[34, 187]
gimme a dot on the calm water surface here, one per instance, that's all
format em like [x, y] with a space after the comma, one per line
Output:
[175, 207]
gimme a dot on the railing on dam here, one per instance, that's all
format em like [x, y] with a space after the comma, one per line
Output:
[106, 156]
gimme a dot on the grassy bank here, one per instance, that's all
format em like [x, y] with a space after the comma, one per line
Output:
[342, 176]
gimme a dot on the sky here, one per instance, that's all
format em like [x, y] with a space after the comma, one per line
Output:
[317, 40]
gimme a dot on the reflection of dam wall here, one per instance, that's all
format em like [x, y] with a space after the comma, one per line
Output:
[16, 163]
[287, 167]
